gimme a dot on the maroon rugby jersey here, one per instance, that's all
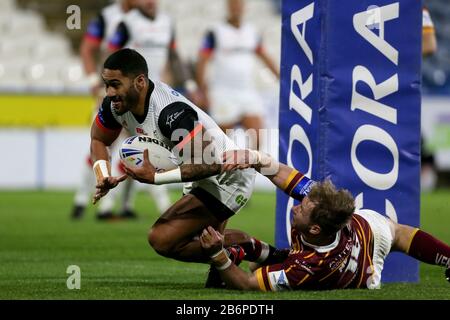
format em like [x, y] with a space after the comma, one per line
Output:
[346, 263]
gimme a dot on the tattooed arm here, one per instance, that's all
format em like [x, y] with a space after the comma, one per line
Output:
[192, 172]
[185, 173]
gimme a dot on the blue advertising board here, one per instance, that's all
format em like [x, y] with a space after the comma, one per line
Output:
[350, 107]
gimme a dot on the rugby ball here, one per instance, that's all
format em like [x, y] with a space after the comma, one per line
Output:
[132, 153]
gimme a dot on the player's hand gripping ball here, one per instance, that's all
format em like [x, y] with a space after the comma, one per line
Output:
[132, 153]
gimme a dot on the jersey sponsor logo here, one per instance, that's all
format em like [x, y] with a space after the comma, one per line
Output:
[238, 50]
[343, 255]
[279, 280]
[305, 266]
[442, 260]
[140, 131]
[155, 141]
[149, 44]
[174, 116]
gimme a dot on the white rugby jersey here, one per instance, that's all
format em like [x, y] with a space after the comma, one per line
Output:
[151, 38]
[165, 108]
[233, 59]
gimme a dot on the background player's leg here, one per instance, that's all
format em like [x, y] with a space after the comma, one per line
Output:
[126, 191]
[128, 197]
[428, 176]
[106, 204]
[174, 234]
[84, 191]
[253, 122]
[160, 193]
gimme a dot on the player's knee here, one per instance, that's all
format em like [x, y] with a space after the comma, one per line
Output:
[160, 242]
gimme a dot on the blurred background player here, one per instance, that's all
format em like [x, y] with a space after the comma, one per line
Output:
[230, 95]
[152, 34]
[93, 48]
[428, 176]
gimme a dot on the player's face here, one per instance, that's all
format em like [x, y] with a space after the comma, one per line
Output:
[235, 8]
[130, 3]
[301, 215]
[149, 7]
[121, 90]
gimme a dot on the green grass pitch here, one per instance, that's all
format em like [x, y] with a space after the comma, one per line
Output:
[38, 242]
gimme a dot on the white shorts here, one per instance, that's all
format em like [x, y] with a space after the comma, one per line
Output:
[230, 106]
[383, 238]
[230, 191]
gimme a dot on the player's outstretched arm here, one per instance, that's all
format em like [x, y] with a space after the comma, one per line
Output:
[100, 139]
[267, 60]
[288, 179]
[265, 164]
[236, 278]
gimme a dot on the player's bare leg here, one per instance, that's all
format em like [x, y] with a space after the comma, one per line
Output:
[83, 192]
[174, 234]
[160, 193]
[253, 122]
[421, 246]
[128, 195]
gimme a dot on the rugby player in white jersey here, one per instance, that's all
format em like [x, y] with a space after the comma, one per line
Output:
[94, 44]
[231, 48]
[144, 106]
[152, 33]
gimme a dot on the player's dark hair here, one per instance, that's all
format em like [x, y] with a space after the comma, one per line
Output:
[333, 208]
[127, 61]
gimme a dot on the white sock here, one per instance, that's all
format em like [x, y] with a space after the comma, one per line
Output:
[85, 187]
[128, 194]
[428, 179]
[107, 202]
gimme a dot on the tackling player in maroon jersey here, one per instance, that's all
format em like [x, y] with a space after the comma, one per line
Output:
[333, 246]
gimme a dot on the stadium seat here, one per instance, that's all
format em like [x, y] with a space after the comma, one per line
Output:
[51, 46]
[20, 23]
[44, 76]
[73, 77]
[7, 5]
[15, 48]
[12, 76]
